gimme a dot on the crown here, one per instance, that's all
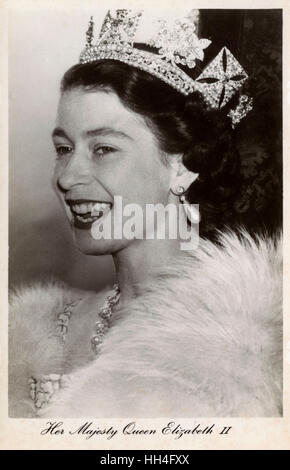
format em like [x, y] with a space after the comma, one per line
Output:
[174, 46]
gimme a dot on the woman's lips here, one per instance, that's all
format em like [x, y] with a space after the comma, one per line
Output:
[86, 213]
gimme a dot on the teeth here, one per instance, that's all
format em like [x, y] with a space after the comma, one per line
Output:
[96, 207]
[82, 208]
[93, 207]
[100, 207]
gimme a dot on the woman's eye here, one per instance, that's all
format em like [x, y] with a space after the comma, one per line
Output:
[102, 150]
[62, 150]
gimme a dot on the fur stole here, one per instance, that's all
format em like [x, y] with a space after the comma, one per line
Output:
[202, 338]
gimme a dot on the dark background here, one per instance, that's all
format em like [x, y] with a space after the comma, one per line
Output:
[255, 39]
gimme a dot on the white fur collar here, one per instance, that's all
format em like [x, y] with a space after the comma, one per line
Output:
[202, 338]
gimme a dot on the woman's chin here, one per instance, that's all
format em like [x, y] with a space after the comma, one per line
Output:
[86, 244]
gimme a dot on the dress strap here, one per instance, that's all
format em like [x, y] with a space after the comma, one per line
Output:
[63, 318]
[44, 386]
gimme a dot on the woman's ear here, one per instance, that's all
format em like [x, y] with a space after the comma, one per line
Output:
[181, 176]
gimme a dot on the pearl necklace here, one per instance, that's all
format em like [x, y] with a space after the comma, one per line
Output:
[102, 325]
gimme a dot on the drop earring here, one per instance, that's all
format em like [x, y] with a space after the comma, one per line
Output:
[191, 212]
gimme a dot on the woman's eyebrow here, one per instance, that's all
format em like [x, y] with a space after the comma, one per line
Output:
[105, 131]
[59, 132]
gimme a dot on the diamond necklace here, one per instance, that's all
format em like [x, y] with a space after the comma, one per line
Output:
[43, 387]
[101, 326]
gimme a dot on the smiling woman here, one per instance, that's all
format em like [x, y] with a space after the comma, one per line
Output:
[189, 329]
[92, 148]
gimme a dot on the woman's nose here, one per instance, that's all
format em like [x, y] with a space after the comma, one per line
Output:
[77, 171]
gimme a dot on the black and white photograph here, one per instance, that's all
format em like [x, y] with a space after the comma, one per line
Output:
[145, 217]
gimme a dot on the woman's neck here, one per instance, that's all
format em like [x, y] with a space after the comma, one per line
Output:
[134, 263]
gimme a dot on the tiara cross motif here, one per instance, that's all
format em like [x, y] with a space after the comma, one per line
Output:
[177, 44]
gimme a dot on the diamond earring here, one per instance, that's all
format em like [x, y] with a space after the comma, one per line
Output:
[179, 191]
[191, 212]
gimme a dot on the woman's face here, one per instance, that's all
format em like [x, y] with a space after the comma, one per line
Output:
[104, 150]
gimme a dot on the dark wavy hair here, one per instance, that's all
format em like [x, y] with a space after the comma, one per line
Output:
[182, 125]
